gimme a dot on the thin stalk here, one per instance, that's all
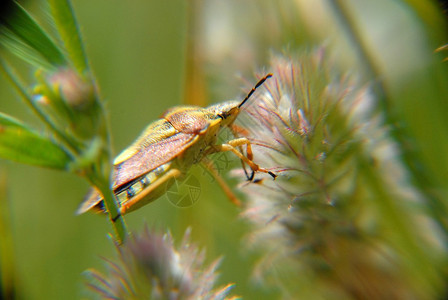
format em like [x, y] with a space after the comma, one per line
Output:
[117, 220]
[402, 235]
[409, 157]
[69, 32]
[8, 284]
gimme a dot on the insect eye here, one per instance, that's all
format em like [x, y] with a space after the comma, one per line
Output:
[222, 116]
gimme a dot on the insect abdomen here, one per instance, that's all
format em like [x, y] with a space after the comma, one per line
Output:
[138, 185]
[125, 192]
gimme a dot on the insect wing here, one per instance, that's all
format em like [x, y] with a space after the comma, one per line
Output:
[147, 154]
[155, 132]
[151, 157]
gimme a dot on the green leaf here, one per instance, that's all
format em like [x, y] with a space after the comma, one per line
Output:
[19, 143]
[68, 30]
[22, 90]
[19, 25]
[15, 45]
[6, 120]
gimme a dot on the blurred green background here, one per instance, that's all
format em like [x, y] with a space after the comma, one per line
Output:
[137, 52]
[148, 55]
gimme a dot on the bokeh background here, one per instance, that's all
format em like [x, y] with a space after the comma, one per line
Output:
[151, 55]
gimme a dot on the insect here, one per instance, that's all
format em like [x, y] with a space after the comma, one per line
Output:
[166, 150]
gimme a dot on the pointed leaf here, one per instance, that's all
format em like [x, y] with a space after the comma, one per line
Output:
[19, 143]
[6, 120]
[15, 45]
[68, 30]
[19, 23]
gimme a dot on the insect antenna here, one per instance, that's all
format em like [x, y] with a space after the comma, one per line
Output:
[262, 80]
[259, 83]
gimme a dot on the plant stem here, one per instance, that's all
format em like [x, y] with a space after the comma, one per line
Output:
[68, 30]
[116, 219]
[409, 157]
[402, 236]
[8, 284]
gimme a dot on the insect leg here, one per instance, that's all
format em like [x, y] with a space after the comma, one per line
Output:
[230, 146]
[237, 130]
[250, 156]
[138, 201]
[227, 190]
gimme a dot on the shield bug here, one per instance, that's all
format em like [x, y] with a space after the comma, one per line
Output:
[166, 150]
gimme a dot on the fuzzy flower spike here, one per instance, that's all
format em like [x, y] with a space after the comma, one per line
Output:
[150, 267]
[336, 224]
